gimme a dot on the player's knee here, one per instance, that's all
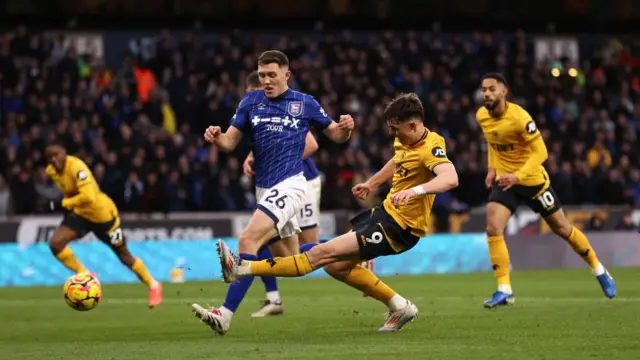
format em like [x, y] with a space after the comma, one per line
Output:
[562, 228]
[494, 229]
[56, 245]
[321, 255]
[125, 256]
[337, 271]
[248, 240]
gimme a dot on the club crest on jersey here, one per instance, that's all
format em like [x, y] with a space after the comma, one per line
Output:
[295, 108]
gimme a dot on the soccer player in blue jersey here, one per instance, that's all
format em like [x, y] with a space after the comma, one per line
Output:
[307, 218]
[278, 120]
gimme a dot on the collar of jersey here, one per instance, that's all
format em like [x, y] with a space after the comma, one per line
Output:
[281, 96]
[421, 141]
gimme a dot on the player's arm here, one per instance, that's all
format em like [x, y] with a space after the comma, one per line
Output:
[535, 143]
[538, 156]
[339, 132]
[383, 175]
[445, 180]
[86, 193]
[229, 140]
[310, 146]
[363, 190]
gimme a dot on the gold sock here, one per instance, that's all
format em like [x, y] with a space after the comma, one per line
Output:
[499, 256]
[68, 259]
[582, 247]
[290, 266]
[143, 274]
[364, 280]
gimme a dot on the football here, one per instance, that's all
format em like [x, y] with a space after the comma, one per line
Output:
[82, 291]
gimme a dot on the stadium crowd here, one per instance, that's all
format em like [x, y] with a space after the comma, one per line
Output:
[140, 126]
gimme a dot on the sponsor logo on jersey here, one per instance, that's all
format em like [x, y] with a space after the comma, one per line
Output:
[438, 152]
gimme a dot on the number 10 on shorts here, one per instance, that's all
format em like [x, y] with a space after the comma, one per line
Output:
[547, 200]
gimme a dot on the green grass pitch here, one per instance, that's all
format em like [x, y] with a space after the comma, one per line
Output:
[557, 315]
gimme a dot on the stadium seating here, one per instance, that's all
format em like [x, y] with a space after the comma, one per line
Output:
[139, 125]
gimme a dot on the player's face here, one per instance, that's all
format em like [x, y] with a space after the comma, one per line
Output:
[404, 131]
[56, 156]
[493, 93]
[273, 79]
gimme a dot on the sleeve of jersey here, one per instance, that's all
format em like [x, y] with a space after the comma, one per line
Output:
[317, 115]
[436, 154]
[86, 194]
[536, 144]
[240, 119]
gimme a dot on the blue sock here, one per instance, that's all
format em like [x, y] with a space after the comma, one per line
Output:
[270, 282]
[237, 290]
[308, 246]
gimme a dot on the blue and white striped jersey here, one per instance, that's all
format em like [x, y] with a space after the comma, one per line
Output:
[278, 128]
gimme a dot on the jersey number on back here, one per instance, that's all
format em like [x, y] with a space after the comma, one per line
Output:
[279, 201]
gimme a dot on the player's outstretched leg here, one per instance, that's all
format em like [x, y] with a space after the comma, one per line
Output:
[260, 229]
[401, 310]
[60, 249]
[561, 226]
[497, 217]
[273, 303]
[138, 267]
[342, 249]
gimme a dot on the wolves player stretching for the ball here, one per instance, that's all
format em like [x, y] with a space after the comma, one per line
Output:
[278, 120]
[419, 169]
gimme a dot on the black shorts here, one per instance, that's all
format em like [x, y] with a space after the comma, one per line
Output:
[107, 232]
[380, 235]
[544, 202]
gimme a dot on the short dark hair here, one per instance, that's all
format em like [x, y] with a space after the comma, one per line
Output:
[273, 56]
[253, 80]
[404, 107]
[497, 77]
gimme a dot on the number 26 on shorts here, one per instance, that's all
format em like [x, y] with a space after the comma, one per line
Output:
[274, 199]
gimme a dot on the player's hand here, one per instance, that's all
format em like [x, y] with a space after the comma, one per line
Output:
[506, 181]
[346, 122]
[247, 166]
[212, 133]
[402, 197]
[361, 191]
[490, 179]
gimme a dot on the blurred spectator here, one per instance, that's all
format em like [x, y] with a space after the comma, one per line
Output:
[626, 223]
[5, 198]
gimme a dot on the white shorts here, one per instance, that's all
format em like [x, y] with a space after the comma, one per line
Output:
[283, 202]
[310, 212]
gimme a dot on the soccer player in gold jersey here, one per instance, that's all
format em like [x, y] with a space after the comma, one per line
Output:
[516, 152]
[419, 170]
[88, 209]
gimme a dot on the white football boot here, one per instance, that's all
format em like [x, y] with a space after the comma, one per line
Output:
[212, 317]
[269, 308]
[397, 319]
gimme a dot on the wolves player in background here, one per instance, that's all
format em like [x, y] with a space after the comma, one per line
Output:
[515, 172]
[87, 209]
[278, 120]
[307, 218]
[419, 169]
